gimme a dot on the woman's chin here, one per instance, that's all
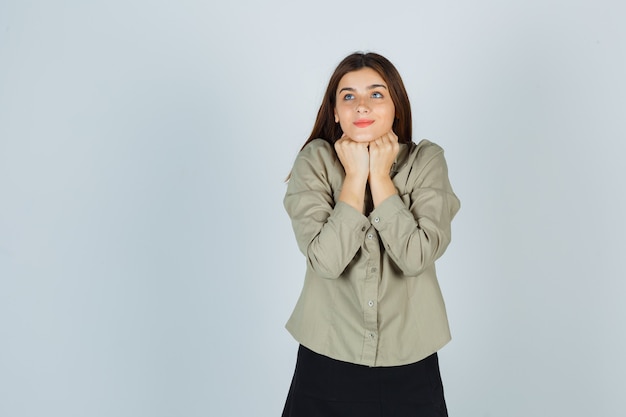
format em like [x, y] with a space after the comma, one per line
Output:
[363, 138]
[366, 135]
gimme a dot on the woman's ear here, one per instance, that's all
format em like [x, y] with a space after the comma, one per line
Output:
[336, 117]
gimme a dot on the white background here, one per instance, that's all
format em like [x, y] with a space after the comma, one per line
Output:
[147, 266]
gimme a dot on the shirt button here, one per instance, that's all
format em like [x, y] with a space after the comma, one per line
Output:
[370, 236]
[376, 220]
[370, 303]
[372, 335]
[363, 229]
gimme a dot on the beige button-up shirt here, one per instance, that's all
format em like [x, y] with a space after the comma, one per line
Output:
[370, 293]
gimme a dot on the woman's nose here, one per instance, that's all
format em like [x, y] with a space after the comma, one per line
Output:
[362, 107]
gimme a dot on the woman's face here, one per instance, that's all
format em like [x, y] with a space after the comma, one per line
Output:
[364, 107]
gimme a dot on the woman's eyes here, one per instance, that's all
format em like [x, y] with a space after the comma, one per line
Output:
[375, 94]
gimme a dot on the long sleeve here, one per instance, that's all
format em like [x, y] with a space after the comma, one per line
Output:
[329, 234]
[414, 226]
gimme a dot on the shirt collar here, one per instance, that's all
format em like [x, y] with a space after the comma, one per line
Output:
[400, 160]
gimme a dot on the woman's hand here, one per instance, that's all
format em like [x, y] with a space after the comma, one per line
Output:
[382, 153]
[355, 159]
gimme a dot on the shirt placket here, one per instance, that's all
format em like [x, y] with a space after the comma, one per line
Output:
[370, 300]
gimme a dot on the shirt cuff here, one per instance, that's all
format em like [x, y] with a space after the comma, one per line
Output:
[351, 217]
[386, 211]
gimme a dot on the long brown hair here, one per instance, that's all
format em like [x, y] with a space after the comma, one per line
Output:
[325, 126]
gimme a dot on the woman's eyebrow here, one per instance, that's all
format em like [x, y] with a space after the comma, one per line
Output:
[371, 87]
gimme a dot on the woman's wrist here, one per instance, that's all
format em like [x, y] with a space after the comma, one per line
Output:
[382, 187]
[353, 191]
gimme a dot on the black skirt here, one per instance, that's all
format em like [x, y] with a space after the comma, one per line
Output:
[325, 387]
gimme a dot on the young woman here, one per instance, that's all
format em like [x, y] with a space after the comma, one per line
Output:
[371, 211]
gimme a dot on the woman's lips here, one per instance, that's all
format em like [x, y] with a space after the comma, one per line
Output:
[363, 122]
